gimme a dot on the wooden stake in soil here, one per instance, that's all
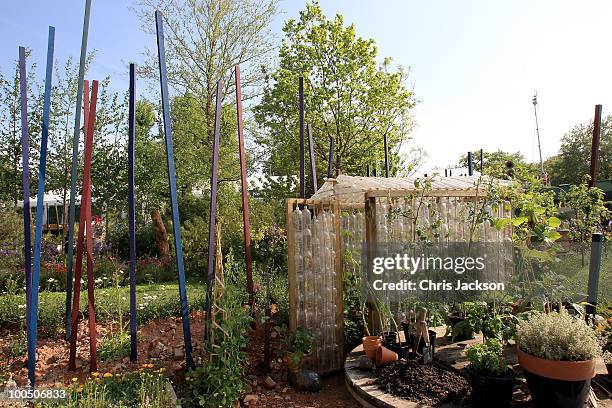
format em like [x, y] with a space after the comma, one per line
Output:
[32, 330]
[132, 210]
[163, 75]
[25, 152]
[245, 193]
[75, 160]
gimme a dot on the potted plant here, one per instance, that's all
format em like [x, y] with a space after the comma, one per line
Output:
[492, 379]
[557, 353]
[299, 344]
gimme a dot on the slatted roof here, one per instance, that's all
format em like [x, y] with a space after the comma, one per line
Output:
[353, 189]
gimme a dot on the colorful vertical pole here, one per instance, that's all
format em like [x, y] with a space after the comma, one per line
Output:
[75, 160]
[330, 158]
[210, 277]
[386, 156]
[85, 227]
[302, 164]
[25, 161]
[245, 191]
[32, 330]
[595, 146]
[470, 163]
[91, 126]
[132, 210]
[163, 76]
[313, 164]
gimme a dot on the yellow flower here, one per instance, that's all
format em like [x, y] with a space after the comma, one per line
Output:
[95, 374]
[108, 375]
[74, 379]
[79, 389]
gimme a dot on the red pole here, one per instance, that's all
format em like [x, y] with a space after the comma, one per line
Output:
[91, 125]
[245, 192]
[595, 145]
[78, 267]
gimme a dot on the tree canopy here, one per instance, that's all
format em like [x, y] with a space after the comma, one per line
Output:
[349, 97]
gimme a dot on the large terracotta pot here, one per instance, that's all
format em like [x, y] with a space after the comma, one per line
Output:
[370, 345]
[557, 370]
[385, 356]
[557, 384]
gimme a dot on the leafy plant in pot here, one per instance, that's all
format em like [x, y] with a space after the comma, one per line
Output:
[491, 378]
[557, 353]
[299, 344]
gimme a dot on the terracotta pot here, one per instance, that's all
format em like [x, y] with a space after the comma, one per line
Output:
[370, 345]
[385, 356]
[557, 370]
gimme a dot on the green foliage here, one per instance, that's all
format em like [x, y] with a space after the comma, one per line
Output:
[496, 164]
[487, 358]
[587, 210]
[144, 388]
[221, 380]
[572, 162]
[299, 344]
[558, 336]
[348, 95]
[115, 347]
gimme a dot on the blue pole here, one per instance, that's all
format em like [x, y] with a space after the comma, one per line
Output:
[73, 173]
[163, 77]
[25, 152]
[132, 210]
[39, 210]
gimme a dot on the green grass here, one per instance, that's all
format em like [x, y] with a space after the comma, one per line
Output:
[153, 301]
[570, 265]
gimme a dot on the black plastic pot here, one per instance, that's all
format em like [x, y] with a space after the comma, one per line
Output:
[549, 393]
[486, 389]
[407, 334]
[389, 338]
[432, 342]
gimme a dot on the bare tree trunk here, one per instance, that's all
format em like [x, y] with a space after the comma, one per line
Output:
[161, 237]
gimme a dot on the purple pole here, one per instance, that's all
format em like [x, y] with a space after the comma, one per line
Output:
[302, 164]
[313, 166]
[132, 210]
[210, 277]
[25, 151]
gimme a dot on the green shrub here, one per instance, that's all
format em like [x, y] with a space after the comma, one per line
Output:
[487, 358]
[115, 347]
[221, 381]
[558, 336]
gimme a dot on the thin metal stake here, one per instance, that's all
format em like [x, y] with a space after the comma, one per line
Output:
[163, 76]
[210, 277]
[245, 192]
[75, 161]
[313, 164]
[132, 210]
[40, 210]
[25, 153]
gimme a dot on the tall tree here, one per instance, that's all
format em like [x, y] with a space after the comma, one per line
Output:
[572, 162]
[349, 97]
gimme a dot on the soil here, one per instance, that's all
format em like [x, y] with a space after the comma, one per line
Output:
[429, 384]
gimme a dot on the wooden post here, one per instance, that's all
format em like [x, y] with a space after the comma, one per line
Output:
[339, 286]
[245, 193]
[74, 168]
[163, 76]
[292, 278]
[595, 146]
[132, 211]
[40, 210]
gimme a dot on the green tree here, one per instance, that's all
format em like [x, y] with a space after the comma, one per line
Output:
[573, 161]
[348, 97]
[497, 164]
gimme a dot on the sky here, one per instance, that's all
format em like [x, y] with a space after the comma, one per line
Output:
[475, 64]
